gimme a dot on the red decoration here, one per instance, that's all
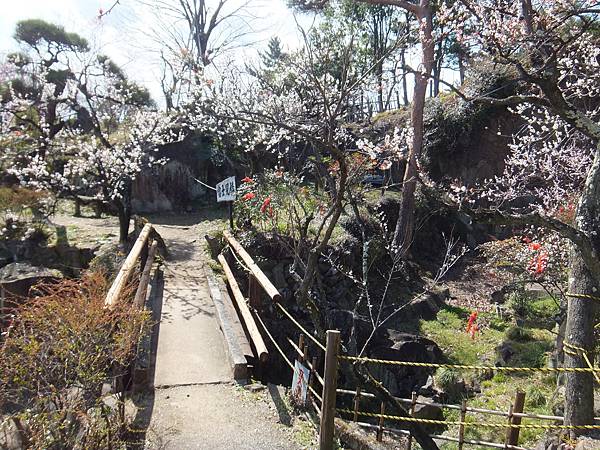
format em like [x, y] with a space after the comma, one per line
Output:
[249, 196]
[472, 326]
[265, 204]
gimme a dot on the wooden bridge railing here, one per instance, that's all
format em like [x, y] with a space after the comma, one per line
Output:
[145, 252]
[257, 280]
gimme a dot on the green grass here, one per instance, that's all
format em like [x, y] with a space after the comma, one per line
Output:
[449, 331]
[498, 392]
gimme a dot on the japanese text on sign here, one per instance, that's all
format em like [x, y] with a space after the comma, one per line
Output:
[226, 190]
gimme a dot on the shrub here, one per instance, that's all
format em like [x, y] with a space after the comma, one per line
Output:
[518, 334]
[447, 377]
[60, 350]
[21, 211]
[520, 304]
[535, 397]
[18, 200]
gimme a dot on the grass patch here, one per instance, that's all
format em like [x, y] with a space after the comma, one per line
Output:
[449, 331]
[530, 345]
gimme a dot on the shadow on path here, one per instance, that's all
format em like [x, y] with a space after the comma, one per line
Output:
[145, 401]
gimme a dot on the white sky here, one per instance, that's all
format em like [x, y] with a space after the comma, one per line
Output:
[118, 34]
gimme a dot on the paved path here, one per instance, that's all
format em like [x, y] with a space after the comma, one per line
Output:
[190, 348]
[195, 404]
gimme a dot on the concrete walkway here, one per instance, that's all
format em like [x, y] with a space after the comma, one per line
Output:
[190, 349]
[194, 403]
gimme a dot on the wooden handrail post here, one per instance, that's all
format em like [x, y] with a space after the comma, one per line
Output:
[140, 294]
[313, 371]
[326, 431]
[517, 408]
[261, 278]
[461, 427]
[254, 292]
[127, 268]
[246, 315]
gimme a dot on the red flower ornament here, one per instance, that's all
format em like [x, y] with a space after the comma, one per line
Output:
[265, 204]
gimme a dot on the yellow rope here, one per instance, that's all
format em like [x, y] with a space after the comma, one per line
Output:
[306, 333]
[581, 352]
[463, 366]
[583, 296]
[481, 424]
[574, 347]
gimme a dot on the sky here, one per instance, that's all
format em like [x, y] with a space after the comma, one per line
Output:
[122, 34]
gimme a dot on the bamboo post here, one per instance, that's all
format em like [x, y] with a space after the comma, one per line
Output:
[461, 427]
[356, 403]
[326, 430]
[124, 274]
[262, 279]
[509, 428]
[413, 405]
[380, 429]
[517, 408]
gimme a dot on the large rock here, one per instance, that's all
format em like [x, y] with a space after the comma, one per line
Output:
[588, 444]
[399, 346]
[428, 411]
[10, 438]
[504, 352]
[6, 257]
[427, 306]
[17, 279]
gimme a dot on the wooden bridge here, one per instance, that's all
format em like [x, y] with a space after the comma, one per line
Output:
[207, 335]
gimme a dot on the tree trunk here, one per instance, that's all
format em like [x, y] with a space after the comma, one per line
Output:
[124, 211]
[380, 105]
[403, 233]
[461, 68]
[124, 214]
[579, 388]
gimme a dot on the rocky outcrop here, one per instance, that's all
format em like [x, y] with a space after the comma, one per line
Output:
[399, 380]
[173, 186]
[70, 260]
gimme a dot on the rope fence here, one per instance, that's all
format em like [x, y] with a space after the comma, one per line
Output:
[479, 424]
[300, 327]
[325, 402]
[467, 367]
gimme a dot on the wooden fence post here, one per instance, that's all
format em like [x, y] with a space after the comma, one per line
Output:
[356, 403]
[381, 420]
[461, 427]
[326, 431]
[517, 408]
[509, 428]
[413, 405]
[301, 348]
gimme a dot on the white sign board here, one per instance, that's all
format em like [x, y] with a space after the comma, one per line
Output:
[226, 190]
[300, 383]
